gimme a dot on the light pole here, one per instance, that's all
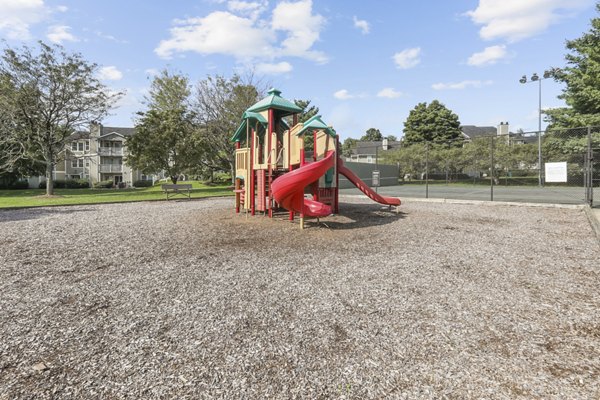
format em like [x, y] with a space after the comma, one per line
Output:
[534, 78]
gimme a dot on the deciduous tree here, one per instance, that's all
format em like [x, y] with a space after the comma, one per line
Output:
[581, 77]
[45, 97]
[166, 138]
[220, 103]
[372, 135]
[431, 123]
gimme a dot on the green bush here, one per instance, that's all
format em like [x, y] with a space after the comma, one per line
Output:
[222, 177]
[13, 185]
[20, 185]
[58, 184]
[77, 184]
[104, 184]
[140, 184]
[68, 184]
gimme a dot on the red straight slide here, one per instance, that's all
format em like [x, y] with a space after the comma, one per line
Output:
[288, 189]
[356, 181]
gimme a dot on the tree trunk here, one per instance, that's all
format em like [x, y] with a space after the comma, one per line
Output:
[174, 179]
[49, 180]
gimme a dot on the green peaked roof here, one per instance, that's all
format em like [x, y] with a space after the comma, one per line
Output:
[274, 100]
[241, 130]
[315, 123]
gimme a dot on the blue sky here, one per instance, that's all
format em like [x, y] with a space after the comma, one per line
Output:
[363, 63]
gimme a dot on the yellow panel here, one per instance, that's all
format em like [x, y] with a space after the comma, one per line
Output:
[286, 148]
[296, 143]
[325, 143]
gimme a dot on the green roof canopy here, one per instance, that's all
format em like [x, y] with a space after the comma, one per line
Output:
[241, 130]
[316, 123]
[275, 101]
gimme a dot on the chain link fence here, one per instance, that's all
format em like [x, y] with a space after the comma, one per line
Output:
[556, 166]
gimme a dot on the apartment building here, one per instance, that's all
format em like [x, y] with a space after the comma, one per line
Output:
[97, 155]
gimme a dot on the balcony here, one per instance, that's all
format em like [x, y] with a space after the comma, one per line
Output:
[110, 151]
[111, 168]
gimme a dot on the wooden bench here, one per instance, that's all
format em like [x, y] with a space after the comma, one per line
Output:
[173, 190]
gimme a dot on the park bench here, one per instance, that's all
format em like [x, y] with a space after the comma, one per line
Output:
[173, 190]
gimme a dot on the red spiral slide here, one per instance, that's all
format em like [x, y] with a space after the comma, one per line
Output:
[288, 189]
[356, 181]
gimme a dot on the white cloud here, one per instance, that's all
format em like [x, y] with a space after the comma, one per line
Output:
[112, 38]
[389, 93]
[408, 58]
[241, 34]
[361, 24]
[60, 33]
[461, 85]
[303, 29]
[252, 9]
[274, 68]
[17, 16]
[489, 55]
[110, 73]
[343, 94]
[151, 71]
[62, 8]
[218, 33]
[515, 20]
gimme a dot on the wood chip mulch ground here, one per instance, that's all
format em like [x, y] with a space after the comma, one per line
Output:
[186, 300]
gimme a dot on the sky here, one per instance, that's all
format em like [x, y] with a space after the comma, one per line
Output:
[365, 64]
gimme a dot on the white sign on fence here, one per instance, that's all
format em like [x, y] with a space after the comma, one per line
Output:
[556, 171]
[375, 179]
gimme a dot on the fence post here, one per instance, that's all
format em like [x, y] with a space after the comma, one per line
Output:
[492, 169]
[589, 170]
[427, 170]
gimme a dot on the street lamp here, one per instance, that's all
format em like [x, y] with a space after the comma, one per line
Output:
[535, 77]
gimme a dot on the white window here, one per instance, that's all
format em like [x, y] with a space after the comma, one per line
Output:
[80, 146]
[74, 146]
[87, 145]
[77, 163]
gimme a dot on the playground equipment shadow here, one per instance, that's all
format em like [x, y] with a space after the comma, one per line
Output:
[352, 217]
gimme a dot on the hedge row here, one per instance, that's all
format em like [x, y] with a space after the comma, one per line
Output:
[139, 184]
[68, 184]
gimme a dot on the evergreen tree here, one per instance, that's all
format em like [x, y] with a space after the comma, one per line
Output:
[307, 113]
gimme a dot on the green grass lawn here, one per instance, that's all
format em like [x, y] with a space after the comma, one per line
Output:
[35, 197]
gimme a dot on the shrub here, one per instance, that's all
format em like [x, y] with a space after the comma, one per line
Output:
[77, 184]
[222, 177]
[140, 184]
[104, 184]
[68, 184]
[19, 185]
[58, 184]
[14, 185]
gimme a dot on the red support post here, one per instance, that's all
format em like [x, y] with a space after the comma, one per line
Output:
[269, 159]
[250, 193]
[336, 198]
[290, 166]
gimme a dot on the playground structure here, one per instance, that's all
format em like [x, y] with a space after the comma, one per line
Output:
[272, 168]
